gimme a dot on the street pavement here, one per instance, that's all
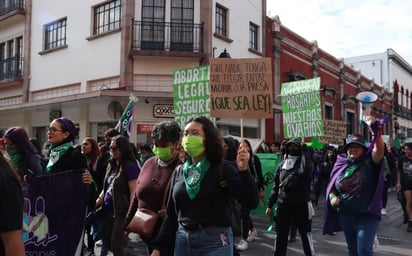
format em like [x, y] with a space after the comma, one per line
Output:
[392, 236]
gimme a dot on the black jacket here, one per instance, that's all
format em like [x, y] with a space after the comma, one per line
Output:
[292, 186]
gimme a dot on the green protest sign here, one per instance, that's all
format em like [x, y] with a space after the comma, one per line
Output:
[302, 113]
[191, 93]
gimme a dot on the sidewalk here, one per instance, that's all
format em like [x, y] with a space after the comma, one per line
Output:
[392, 235]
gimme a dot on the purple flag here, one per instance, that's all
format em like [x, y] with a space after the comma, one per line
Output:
[54, 214]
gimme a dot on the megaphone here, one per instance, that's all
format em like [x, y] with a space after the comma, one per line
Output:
[366, 99]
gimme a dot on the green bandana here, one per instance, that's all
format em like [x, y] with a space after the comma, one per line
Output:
[14, 155]
[56, 153]
[193, 175]
[351, 169]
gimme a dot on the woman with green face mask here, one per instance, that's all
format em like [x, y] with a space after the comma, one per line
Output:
[155, 174]
[22, 154]
[197, 218]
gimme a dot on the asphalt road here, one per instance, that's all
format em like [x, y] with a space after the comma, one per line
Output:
[392, 236]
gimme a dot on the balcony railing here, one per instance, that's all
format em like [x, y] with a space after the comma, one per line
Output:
[167, 36]
[11, 6]
[11, 68]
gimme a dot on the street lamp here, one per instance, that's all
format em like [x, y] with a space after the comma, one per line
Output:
[344, 100]
[224, 54]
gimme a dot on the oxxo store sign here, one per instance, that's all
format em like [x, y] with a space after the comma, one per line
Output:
[163, 111]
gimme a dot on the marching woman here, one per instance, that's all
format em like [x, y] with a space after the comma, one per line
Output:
[197, 215]
[11, 211]
[22, 153]
[63, 155]
[119, 185]
[354, 192]
[404, 181]
[155, 176]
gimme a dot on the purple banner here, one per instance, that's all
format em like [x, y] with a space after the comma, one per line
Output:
[54, 214]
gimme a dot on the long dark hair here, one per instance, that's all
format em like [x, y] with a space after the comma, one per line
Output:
[123, 145]
[5, 164]
[19, 137]
[213, 140]
[94, 153]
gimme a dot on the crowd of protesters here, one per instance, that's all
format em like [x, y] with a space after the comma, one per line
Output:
[123, 178]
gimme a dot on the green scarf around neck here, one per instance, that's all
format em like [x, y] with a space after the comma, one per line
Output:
[14, 155]
[351, 169]
[56, 154]
[193, 175]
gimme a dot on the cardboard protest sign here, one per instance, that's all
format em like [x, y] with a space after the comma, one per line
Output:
[334, 132]
[241, 88]
[302, 113]
[190, 93]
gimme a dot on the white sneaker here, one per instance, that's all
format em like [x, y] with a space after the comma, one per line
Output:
[383, 211]
[376, 242]
[99, 243]
[242, 245]
[252, 235]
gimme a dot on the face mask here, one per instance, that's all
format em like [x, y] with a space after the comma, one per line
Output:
[45, 152]
[163, 153]
[294, 152]
[193, 145]
[12, 150]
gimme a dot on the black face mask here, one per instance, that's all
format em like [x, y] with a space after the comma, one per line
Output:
[294, 152]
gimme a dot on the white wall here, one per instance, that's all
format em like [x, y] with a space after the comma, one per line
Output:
[240, 13]
[372, 66]
[11, 31]
[83, 60]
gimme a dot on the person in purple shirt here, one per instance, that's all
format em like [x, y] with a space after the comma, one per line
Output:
[119, 185]
[354, 192]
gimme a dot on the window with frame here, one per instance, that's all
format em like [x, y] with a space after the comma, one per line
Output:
[153, 24]
[221, 20]
[182, 15]
[107, 17]
[350, 122]
[11, 58]
[328, 112]
[55, 34]
[253, 36]
[3, 63]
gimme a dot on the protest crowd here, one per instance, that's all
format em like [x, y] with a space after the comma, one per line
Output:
[188, 180]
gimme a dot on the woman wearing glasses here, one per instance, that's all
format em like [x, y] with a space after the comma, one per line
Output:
[119, 185]
[63, 155]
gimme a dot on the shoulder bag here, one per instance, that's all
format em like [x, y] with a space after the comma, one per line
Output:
[144, 221]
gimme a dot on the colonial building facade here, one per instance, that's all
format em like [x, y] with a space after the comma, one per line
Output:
[395, 74]
[295, 58]
[83, 58]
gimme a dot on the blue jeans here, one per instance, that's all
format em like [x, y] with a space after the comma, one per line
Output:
[360, 231]
[210, 241]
